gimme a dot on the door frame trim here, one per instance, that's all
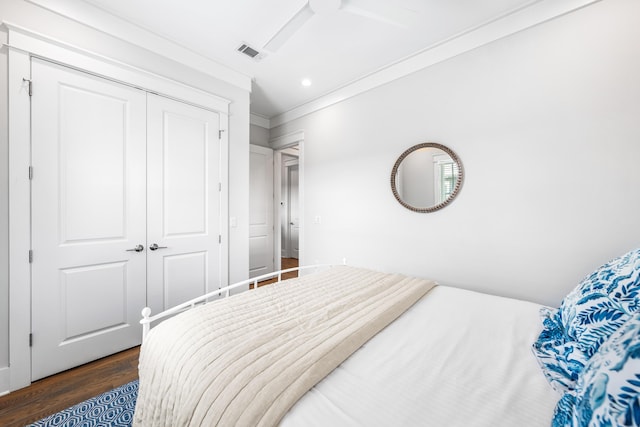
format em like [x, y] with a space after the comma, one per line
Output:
[68, 55]
[22, 45]
[19, 221]
[278, 144]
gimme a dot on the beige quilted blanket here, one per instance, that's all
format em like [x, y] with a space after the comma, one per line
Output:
[246, 360]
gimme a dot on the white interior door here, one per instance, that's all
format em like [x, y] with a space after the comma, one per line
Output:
[88, 212]
[294, 216]
[260, 211]
[183, 210]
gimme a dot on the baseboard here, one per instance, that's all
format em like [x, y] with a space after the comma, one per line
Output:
[4, 381]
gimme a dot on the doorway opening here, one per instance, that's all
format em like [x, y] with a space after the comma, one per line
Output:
[288, 212]
[275, 211]
[290, 204]
[276, 206]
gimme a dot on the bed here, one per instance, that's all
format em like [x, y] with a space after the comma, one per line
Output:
[413, 353]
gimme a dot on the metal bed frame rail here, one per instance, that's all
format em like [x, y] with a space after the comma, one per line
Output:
[147, 319]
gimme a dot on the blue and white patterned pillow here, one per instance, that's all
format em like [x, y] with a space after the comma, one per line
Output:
[608, 391]
[559, 358]
[593, 311]
[602, 302]
[563, 414]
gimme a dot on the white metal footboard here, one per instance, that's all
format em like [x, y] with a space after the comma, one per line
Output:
[147, 319]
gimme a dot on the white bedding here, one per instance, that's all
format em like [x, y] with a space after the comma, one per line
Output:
[456, 358]
[246, 360]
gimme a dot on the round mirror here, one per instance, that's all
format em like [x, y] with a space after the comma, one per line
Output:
[426, 177]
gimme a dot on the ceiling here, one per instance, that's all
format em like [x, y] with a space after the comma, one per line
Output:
[332, 49]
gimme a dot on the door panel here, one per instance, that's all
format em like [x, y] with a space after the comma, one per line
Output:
[183, 207]
[84, 293]
[260, 211]
[185, 277]
[91, 148]
[88, 208]
[185, 146]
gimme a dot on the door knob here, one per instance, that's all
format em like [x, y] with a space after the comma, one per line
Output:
[155, 247]
[138, 248]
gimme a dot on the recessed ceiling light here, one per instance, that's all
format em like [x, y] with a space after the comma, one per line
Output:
[306, 82]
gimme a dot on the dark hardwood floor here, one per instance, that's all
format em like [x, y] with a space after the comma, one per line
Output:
[285, 264]
[57, 392]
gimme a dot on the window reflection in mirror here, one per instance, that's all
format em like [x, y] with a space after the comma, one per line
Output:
[426, 177]
[444, 176]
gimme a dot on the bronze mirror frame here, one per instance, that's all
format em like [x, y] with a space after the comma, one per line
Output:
[456, 188]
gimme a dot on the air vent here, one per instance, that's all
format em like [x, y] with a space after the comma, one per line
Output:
[250, 52]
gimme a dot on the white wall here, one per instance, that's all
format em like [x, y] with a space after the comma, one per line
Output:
[546, 123]
[4, 215]
[259, 136]
[24, 14]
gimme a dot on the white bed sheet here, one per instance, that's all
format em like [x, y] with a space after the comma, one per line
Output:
[456, 358]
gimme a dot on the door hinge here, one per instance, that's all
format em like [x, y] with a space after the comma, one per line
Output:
[30, 85]
[30, 256]
[30, 172]
[219, 238]
[30, 340]
[219, 186]
[220, 133]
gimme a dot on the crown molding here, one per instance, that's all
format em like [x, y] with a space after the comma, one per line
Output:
[100, 20]
[42, 46]
[258, 120]
[287, 140]
[532, 14]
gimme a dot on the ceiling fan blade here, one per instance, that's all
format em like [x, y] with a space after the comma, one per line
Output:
[293, 25]
[383, 11]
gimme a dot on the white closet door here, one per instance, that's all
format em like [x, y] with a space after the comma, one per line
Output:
[88, 211]
[260, 211]
[183, 210]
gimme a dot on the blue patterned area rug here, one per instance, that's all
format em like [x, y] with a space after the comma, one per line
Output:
[111, 409]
